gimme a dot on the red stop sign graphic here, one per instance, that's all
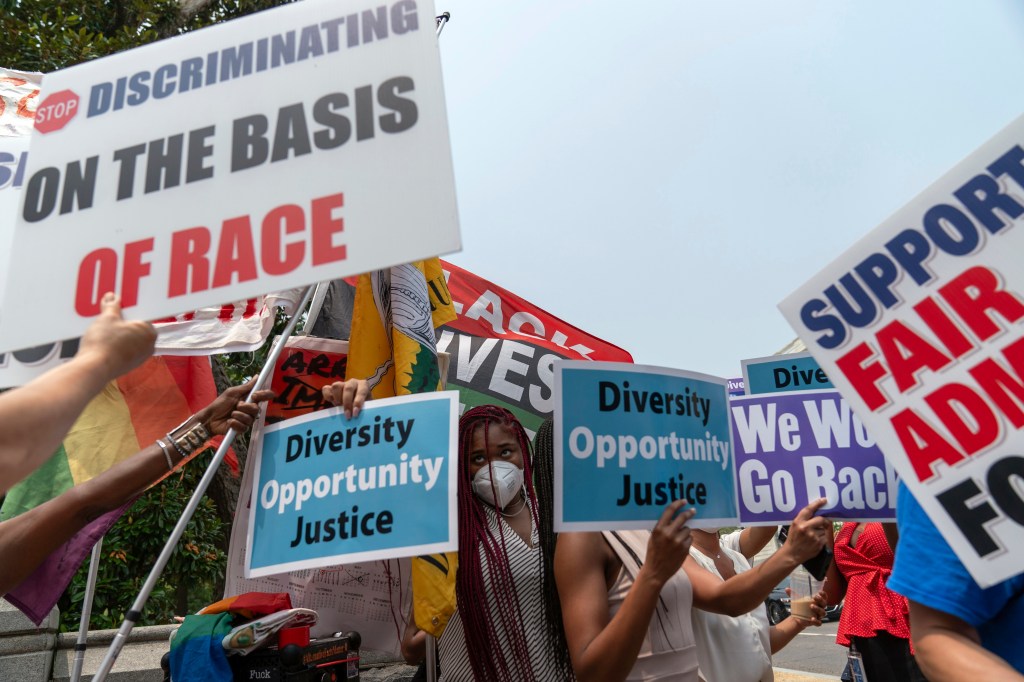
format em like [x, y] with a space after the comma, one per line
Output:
[54, 112]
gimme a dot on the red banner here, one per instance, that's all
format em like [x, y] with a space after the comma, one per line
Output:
[503, 347]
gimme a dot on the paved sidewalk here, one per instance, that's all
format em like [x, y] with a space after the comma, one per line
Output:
[784, 675]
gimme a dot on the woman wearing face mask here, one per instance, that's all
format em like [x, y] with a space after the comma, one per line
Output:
[498, 631]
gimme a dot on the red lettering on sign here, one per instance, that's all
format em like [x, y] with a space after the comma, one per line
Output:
[278, 257]
[190, 268]
[97, 274]
[976, 292]
[236, 254]
[325, 227]
[134, 270]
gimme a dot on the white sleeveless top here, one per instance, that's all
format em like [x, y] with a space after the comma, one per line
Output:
[669, 651]
[732, 649]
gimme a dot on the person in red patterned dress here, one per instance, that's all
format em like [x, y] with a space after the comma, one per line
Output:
[875, 620]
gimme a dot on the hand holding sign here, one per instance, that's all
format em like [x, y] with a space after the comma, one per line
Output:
[229, 411]
[349, 395]
[117, 345]
[808, 533]
[669, 544]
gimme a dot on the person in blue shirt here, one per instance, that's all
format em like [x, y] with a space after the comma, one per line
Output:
[960, 631]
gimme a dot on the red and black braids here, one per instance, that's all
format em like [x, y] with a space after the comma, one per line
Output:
[486, 654]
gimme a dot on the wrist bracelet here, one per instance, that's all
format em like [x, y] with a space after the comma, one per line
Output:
[187, 438]
[167, 454]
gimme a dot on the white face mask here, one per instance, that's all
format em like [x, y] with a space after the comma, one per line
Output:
[503, 479]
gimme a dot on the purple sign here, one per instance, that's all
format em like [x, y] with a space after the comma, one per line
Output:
[792, 448]
[736, 387]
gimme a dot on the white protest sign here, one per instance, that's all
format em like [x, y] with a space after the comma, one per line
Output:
[921, 327]
[299, 144]
[18, 95]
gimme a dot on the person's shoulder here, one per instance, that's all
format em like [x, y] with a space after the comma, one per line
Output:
[584, 544]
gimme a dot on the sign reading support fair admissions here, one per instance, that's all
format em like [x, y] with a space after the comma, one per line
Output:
[631, 439]
[921, 327]
[330, 490]
[300, 144]
[792, 448]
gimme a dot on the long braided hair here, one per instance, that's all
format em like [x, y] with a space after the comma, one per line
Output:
[544, 482]
[472, 591]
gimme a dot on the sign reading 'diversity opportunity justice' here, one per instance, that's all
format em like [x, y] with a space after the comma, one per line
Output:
[792, 448]
[921, 327]
[631, 439]
[783, 374]
[295, 145]
[330, 490]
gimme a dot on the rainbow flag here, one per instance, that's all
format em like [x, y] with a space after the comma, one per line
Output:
[129, 414]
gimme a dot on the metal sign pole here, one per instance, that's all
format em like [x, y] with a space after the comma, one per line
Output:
[135, 613]
[83, 627]
[441, 20]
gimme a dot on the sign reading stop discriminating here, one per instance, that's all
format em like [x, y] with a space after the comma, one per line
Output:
[300, 144]
[920, 325]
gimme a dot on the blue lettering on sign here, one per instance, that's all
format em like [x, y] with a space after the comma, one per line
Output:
[262, 54]
[12, 169]
[858, 298]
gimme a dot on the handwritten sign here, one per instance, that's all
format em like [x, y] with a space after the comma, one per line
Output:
[631, 439]
[305, 366]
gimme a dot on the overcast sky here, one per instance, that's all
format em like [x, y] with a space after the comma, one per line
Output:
[662, 174]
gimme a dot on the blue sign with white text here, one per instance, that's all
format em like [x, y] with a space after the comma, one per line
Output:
[330, 490]
[783, 374]
[630, 440]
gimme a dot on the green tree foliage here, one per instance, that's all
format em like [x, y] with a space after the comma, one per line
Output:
[132, 546]
[46, 35]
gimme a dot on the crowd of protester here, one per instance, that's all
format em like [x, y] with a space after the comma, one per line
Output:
[672, 603]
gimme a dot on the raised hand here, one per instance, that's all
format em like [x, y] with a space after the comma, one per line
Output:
[808, 533]
[230, 411]
[117, 345]
[669, 544]
[350, 395]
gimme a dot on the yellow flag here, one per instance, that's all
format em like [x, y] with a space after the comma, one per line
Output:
[393, 346]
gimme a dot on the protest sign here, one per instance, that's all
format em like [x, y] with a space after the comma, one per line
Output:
[300, 144]
[921, 327]
[792, 448]
[737, 387]
[631, 439]
[503, 348]
[330, 490]
[369, 597]
[241, 326]
[18, 96]
[783, 373]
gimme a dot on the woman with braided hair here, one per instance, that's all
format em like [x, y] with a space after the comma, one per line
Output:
[499, 631]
